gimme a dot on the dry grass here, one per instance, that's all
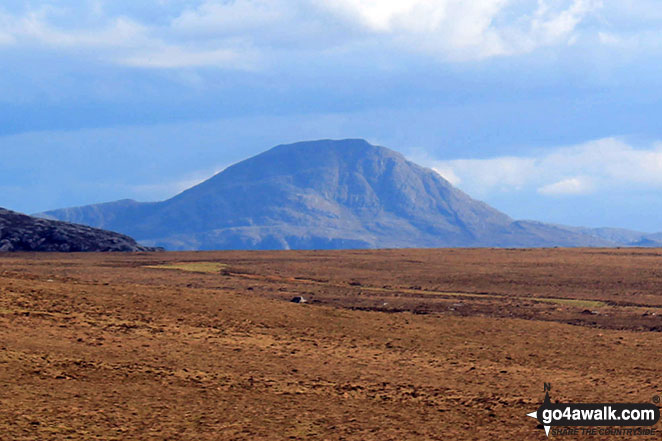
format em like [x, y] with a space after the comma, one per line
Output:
[105, 347]
[193, 267]
[590, 304]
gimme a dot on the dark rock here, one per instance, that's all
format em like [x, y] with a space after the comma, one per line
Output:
[19, 232]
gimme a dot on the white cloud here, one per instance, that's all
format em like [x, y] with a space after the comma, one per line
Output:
[207, 34]
[570, 186]
[448, 174]
[35, 29]
[385, 15]
[458, 29]
[200, 33]
[576, 170]
[235, 17]
[122, 40]
[496, 174]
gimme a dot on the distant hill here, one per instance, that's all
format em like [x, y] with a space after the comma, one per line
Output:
[19, 232]
[323, 194]
[622, 236]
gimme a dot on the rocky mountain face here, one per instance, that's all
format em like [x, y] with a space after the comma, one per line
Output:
[19, 232]
[323, 194]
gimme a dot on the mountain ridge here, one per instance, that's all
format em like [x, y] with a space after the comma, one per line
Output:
[323, 194]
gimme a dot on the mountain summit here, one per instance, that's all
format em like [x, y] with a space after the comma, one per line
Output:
[322, 194]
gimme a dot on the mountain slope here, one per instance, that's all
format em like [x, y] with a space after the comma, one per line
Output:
[626, 237]
[322, 194]
[19, 232]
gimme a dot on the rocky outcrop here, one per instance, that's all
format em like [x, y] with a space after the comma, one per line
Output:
[19, 232]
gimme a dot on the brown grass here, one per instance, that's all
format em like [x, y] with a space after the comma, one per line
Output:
[193, 267]
[393, 345]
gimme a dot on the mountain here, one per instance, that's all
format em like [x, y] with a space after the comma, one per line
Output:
[19, 232]
[323, 194]
[622, 236]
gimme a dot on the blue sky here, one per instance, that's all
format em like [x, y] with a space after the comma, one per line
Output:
[546, 109]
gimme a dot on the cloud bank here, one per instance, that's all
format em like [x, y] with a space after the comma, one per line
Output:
[593, 167]
[237, 34]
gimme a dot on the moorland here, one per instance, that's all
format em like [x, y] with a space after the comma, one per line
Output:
[389, 344]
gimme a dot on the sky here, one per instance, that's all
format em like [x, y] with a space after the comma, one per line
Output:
[547, 110]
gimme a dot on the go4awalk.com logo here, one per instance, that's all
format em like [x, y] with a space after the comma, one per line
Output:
[627, 419]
